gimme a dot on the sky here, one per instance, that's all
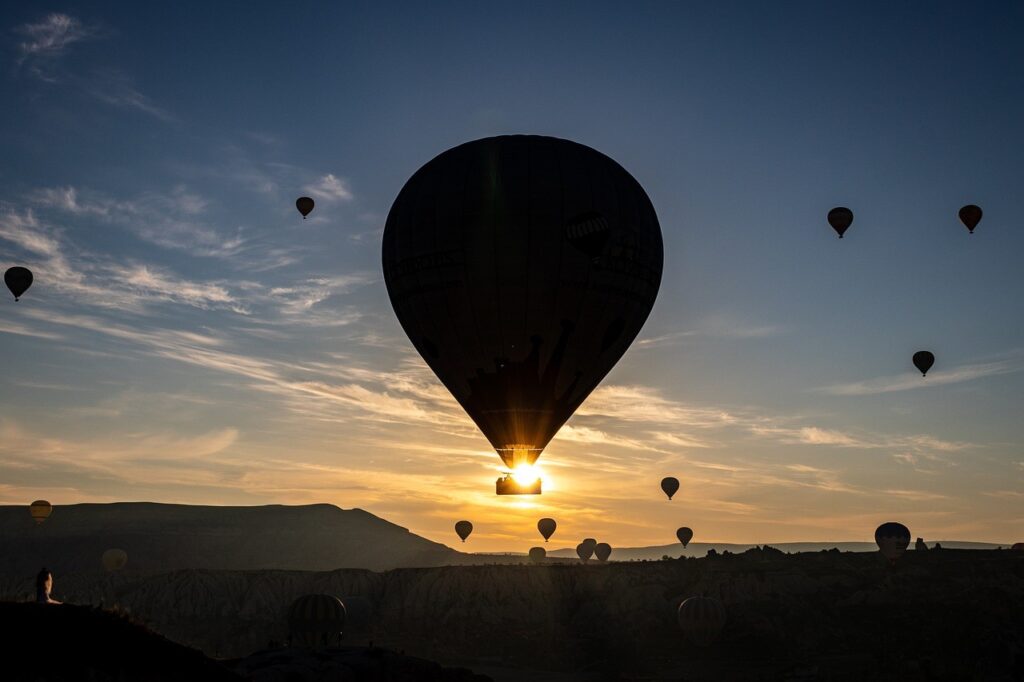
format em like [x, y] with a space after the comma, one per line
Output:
[189, 338]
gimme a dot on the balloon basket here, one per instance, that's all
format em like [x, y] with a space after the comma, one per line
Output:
[506, 485]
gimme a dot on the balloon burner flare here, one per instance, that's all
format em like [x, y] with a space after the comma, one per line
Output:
[508, 485]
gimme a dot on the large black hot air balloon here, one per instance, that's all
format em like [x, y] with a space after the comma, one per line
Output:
[670, 486]
[18, 280]
[521, 268]
[305, 206]
[892, 539]
[463, 529]
[547, 528]
[923, 360]
[970, 216]
[840, 218]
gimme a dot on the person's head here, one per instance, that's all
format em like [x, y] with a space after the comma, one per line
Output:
[44, 581]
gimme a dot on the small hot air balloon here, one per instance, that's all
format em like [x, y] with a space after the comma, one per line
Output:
[584, 551]
[590, 542]
[114, 559]
[670, 486]
[970, 216]
[840, 218]
[463, 529]
[547, 528]
[305, 206]
[40, 510]
[701, 619]
[892, 539]
[18, 280]
[685, 535]
[537, 554]
[602, 551]
[923, 360]
[316, 621]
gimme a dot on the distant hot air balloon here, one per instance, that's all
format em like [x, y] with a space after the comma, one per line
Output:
[40, 510]
[1019, 546]
[840, 218]
[701, 619]
[305, 206]
[602, 551]
[584, 551]
[115, 559]
[590, 542]
[521, 268]
[18, 280]
[970, 216]
[316, 621]
[923, 360]
[670, 486]
[537, 554]
[547, 528]
[463, 529]
[685, 535]
[892, 539]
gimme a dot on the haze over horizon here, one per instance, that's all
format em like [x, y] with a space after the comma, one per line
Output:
[189, 338]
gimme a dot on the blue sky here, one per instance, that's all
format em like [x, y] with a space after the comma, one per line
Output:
[190, 339]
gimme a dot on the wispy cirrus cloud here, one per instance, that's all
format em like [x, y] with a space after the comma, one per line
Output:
[118, 90]
[330, 188]
[715, 326]
[911, 381]
[51, 36]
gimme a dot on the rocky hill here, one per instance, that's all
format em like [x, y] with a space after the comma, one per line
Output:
[941, 614]
[164, 537]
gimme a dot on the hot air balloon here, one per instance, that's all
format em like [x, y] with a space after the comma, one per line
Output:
[305, 206]
[1018, 546]
[114, 559]
[701, 619]
[521, 268]
[316, 621]
[970, 216]
[584, 551]
[40, 510]
[547, 528]
[463, 529]
[892, 539]
[923, 360]
[18, 280]
[590, 542]
[537, 554]
[685, 535]
[602, 551]
[840, 218]
[670, 486]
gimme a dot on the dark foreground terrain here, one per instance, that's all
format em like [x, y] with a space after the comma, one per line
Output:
[938, 614]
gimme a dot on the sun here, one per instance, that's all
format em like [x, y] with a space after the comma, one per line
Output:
[525, 474]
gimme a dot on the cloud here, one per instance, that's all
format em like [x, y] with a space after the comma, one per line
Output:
[330, 189]
[52, 36]
[716, 326]
[911, 381]
[116, 89]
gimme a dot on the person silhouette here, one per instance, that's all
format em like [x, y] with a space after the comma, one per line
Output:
[44, 583]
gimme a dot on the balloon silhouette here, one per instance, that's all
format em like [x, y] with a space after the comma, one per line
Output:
[18, 280]
[892, 539]
[316, 621]
[590, 542]
[970, 216]
[40, 511]
[547, 528]
[521, 268]
[685, 535]
[670, 486]
[923, 360]
[114, 559]
[463, 529]
[701, 619]
[305, 206]
[584, 551]
[840, 218]
[602, 551]
[1018, 546]
[537, 554]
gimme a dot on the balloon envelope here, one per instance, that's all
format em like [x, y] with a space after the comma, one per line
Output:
[584, 551]
[547, 528]
[685, 535]
[316, 621]
[463, 529]
[892, 539]
[970, 216]
[923, 360]
[591, 542]
[602, 551]
[40, 510]
[115, 559]
[537, 554]
[18, 280]
[1019, 546]
[670, 486]
[840, 218]
[521, 268]
[305, 206]
[701, 619]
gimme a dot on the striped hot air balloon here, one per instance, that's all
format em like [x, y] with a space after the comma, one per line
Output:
[316, 621]
[40, 510]
[701, 619]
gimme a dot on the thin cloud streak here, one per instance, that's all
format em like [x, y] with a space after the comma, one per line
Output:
[911, 381]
